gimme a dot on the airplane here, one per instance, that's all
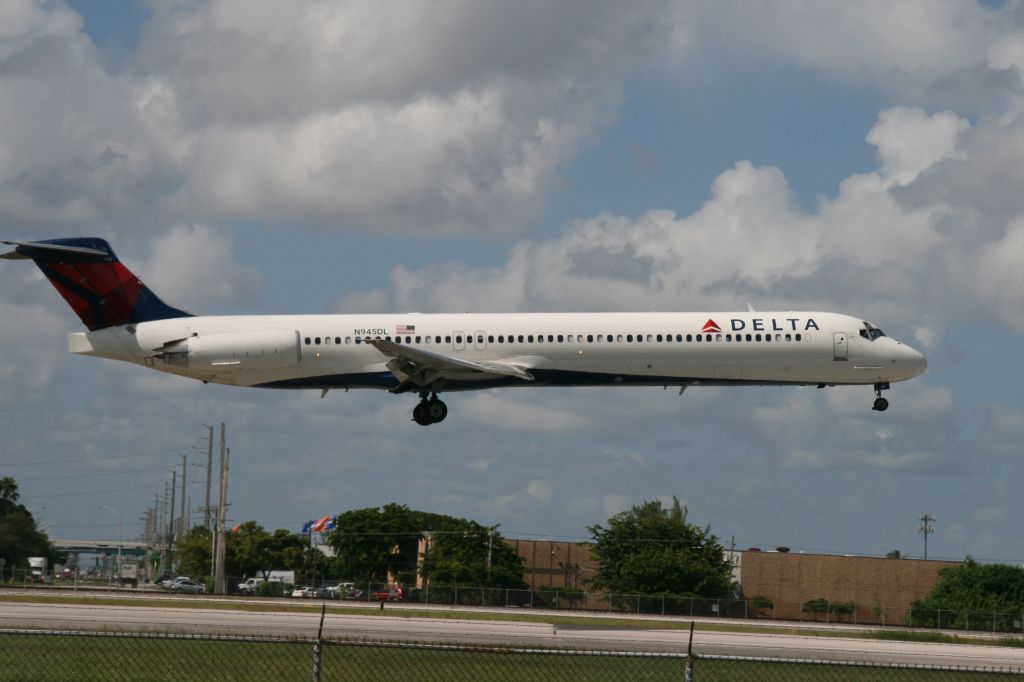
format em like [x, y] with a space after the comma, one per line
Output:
[427, 354]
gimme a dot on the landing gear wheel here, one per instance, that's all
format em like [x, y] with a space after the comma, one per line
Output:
[430, 411]
[881, 404]
[435, 410]
[419, 414]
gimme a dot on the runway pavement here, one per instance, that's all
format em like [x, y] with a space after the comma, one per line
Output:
[375, 626]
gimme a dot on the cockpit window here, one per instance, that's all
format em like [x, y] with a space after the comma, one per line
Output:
[871, 332]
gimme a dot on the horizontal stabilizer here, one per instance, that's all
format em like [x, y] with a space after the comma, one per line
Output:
[26, 250]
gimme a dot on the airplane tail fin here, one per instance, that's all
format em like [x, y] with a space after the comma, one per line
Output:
[101, 291]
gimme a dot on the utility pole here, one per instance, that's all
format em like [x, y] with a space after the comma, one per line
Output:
[171, 524]
[209, 475]
[156, 521]
[490, 544]
[183, 523]
[926, 528]
[218, 574]
[170, 509]
[164, 544]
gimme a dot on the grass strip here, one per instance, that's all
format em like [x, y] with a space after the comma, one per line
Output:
[31, 658]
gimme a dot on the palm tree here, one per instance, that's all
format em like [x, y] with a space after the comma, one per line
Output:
[9, 489]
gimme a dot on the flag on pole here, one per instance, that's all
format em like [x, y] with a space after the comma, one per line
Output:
[321, 524]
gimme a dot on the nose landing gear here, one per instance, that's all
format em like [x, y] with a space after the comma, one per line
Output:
[430, 411]
[881, 404]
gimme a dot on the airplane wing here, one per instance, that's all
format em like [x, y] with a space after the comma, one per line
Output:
[418, 368]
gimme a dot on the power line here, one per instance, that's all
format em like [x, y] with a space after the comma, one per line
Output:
[93, 459]
[99, 473]
[100, 492]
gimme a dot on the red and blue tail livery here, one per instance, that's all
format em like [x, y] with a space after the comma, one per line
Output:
[427, 354]
[97, 286]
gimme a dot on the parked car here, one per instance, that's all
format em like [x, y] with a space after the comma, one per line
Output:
[395, 593]
[167, 581]
[345, 591]
[323, 592]
[250, 586]
[303, 592]
[187, 586]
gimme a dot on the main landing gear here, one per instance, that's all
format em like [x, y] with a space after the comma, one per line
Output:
[881, 404]
[430, 411]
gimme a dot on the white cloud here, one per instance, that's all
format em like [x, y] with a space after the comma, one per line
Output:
[906, 46]
[541, 490]
[504, 412]
[613, 503]
[35, 347]
[444, 118]
[193, 267]
[909, 140]
[1003, 431]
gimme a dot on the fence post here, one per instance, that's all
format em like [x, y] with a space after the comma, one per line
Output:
[506, 597]
[663, 605]
[318, 645]
[691, 607]
[638, 603]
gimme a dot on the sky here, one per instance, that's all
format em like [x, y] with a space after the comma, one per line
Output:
[263, 157]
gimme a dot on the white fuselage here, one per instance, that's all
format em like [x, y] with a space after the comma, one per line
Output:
[570, 349]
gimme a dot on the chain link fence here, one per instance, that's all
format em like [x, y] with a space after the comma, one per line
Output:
[29, 655]
[816, 610]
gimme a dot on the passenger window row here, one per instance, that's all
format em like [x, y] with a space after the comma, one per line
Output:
[563, 338]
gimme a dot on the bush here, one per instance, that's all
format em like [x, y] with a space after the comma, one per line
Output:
[273, 589]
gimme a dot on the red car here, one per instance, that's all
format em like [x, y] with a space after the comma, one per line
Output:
[395, 593]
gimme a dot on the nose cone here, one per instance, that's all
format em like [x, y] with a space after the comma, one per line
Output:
[909, 361]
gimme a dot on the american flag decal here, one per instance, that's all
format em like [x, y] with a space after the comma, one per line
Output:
[405, 329]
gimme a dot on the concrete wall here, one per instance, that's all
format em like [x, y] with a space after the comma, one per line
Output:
[557, 565]
[872, 584]
[880, 589]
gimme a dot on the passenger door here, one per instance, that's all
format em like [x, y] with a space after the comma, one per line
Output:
[840, 346]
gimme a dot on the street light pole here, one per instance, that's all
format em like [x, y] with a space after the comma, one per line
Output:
[120, 535]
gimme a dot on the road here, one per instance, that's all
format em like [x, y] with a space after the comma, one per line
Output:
[374, 626]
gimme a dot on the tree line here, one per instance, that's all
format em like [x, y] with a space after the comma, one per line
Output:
[20, 537]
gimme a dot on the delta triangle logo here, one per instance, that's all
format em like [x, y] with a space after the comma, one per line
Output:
[710, 326]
